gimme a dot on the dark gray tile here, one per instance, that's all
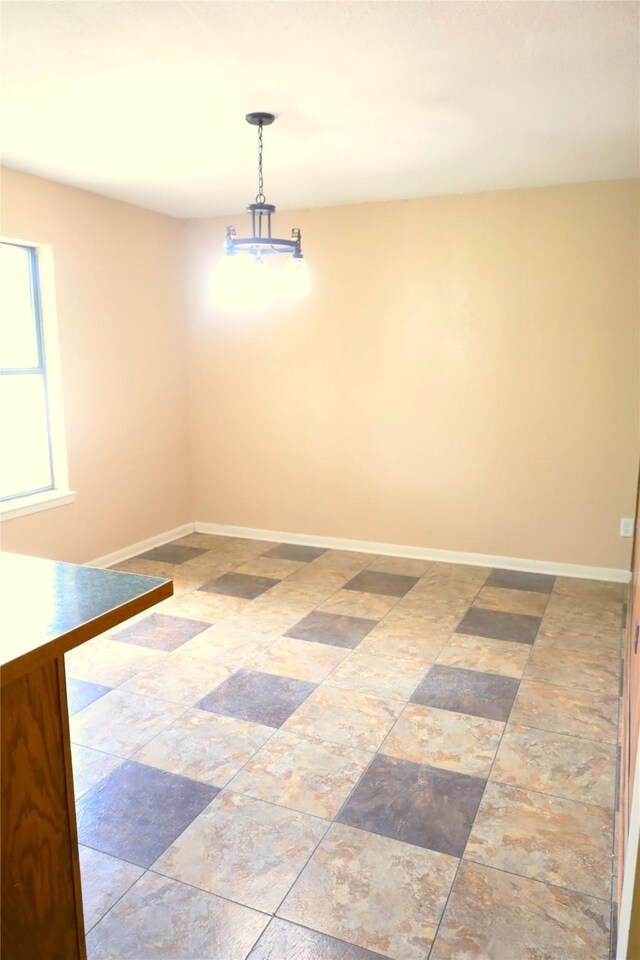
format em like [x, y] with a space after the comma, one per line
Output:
[80, 694]
[415, 803]
[243, 585]
[515, 580]
[295, 551]
[321, 627]
[283, 940]
[467, 691]
[161, 631]
[389, 584]
[172, 553]
[137, 812]
[498, 625]
[258, 697]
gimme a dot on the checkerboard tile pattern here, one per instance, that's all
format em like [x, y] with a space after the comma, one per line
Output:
[80, 694]
[328, 754]
[259, 697]
[161, 632]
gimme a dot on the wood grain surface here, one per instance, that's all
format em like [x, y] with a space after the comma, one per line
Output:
[41, 895]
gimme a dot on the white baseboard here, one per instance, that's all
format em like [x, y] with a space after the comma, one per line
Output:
[420, 553]
[136, 548]
[368, 546]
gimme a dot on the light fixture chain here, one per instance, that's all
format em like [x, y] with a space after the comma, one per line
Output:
[260, 197]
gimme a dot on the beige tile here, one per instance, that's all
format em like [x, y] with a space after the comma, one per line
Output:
[306, 775]
[587, 613]
[290, 941]
[109, 662]
[581, 634]
[604, 615]
[356, 603]
[104, 880]
[242, 551]
[457, 573]
[90, 767]
[302, 659]
[179, 678]
[326, 580]
[204, 541]
[553, 763]
[512, 601]
[204, 746]
[609, 648]
[378, 893]
[344, 716]
[232, 651]
[159, 919]
[544, 838]
[578, 713]
[281, 607]
[270, 567]
[589, 589]
[444, 613]
[379, 676]
[294, 593]
[269, 623]
[244, 850]
[485, 919]
[199, 605]
[282, 610]
[405, 566]
[488, 656]
[120, 723]
[348, 561]
[456, 593]
[147, 568]
[206, 567]
[441, 738]
[567, 668]
[409, 639]
[599, 606]
[277, 620]
[238, 627]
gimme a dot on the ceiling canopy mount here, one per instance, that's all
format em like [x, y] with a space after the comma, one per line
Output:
[260, 119]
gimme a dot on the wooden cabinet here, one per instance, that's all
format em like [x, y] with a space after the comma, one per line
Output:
[47, 609]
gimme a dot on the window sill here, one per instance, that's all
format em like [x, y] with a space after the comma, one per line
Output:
[21, 506]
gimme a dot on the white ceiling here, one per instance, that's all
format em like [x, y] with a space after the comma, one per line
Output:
[144, 101]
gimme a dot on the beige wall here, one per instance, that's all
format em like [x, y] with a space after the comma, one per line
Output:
[123, 356]
[464, 377]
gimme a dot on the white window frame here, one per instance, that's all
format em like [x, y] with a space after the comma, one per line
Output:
[60, 493]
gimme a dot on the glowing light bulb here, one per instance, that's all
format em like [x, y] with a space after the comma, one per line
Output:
[242, 281]
[226, 279]
[296, 282]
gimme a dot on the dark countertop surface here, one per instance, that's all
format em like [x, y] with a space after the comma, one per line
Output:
[48, 607]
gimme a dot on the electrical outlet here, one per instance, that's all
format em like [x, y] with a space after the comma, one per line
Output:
[626, 526]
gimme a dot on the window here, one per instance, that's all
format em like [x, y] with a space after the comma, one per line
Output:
[33, 468]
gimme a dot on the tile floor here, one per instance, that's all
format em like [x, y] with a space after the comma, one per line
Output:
[308, 754]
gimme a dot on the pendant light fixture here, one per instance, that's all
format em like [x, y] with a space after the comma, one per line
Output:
[243, 277]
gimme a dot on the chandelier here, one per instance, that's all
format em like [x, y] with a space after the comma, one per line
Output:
[243, 276]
